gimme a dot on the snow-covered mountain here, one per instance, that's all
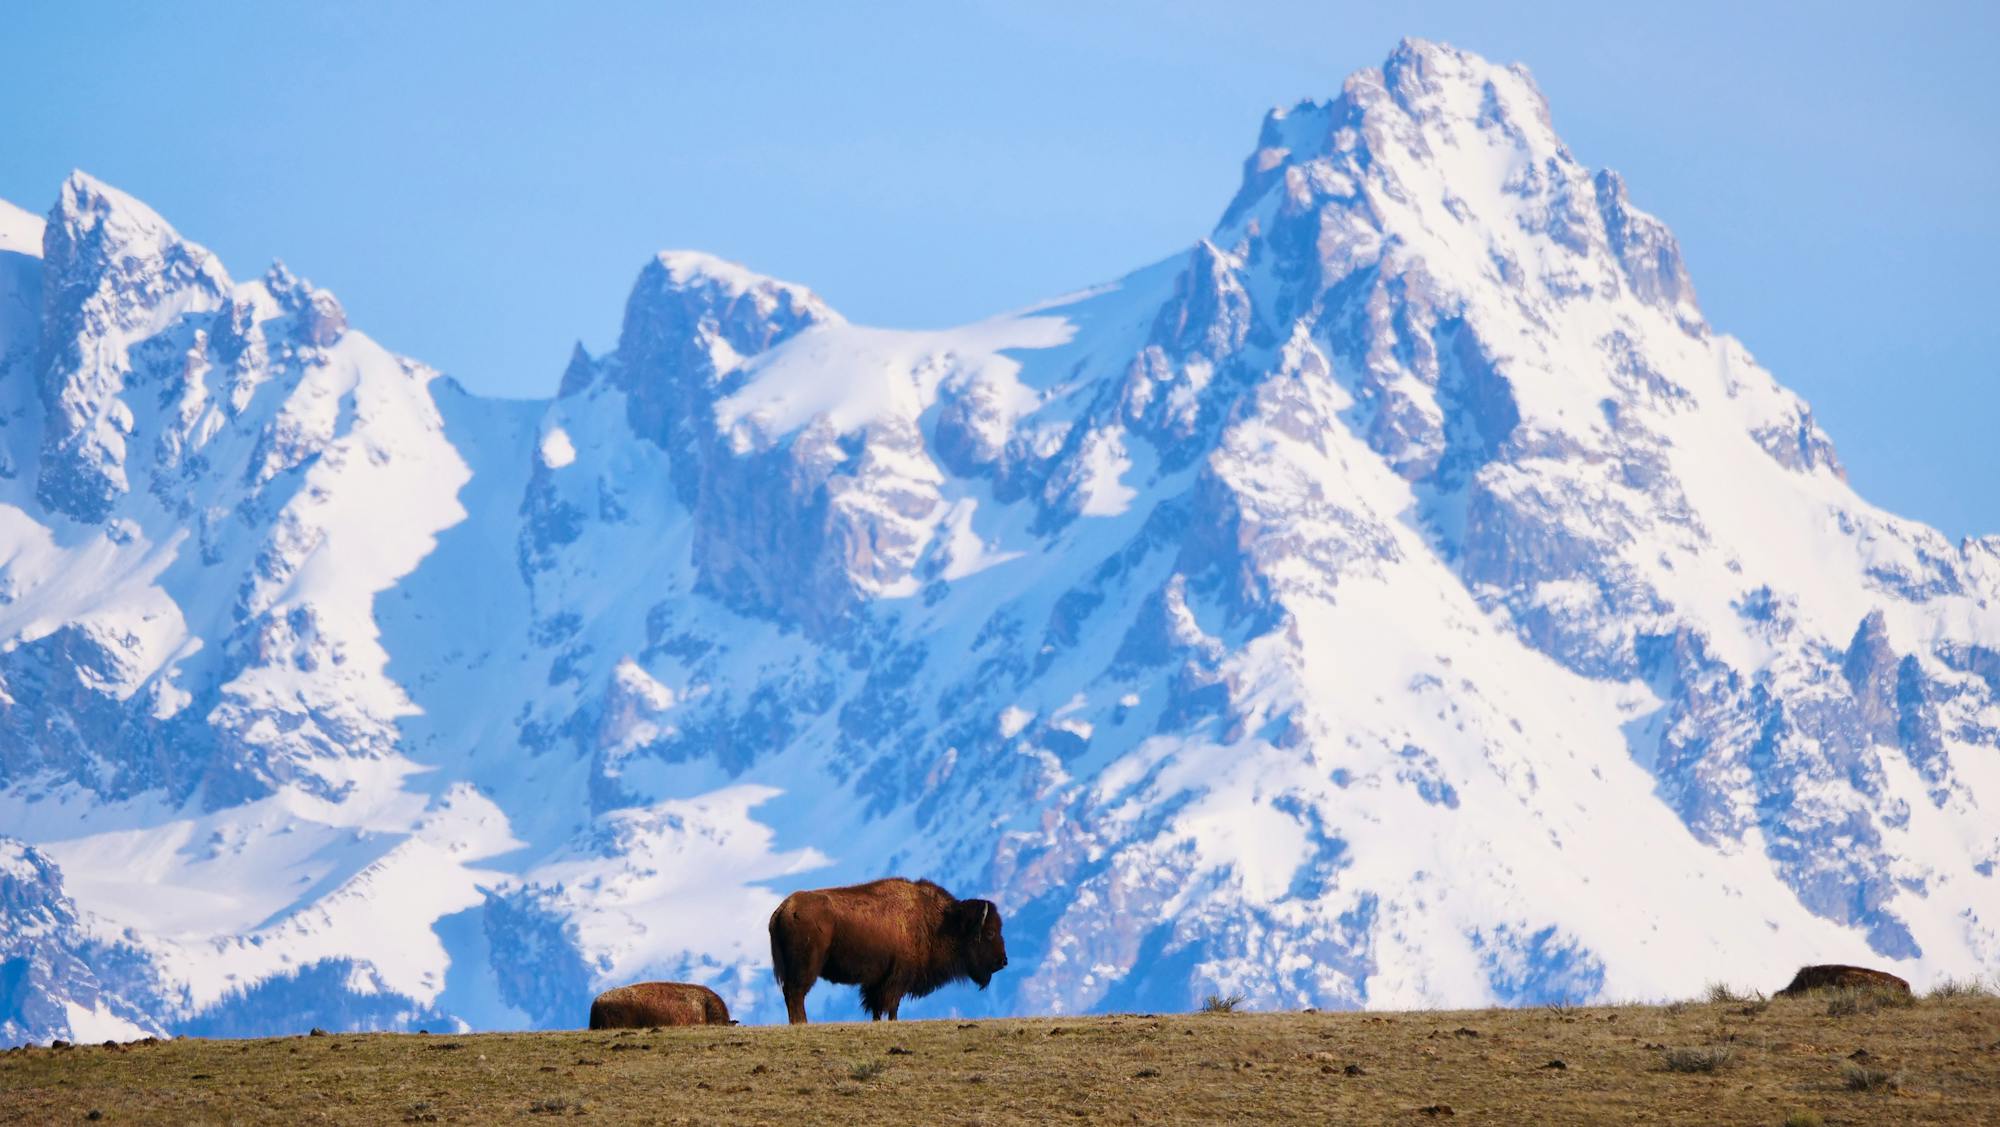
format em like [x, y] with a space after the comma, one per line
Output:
[1403, 597]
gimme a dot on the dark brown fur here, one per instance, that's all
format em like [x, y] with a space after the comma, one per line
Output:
[647, 1004]
[893, 938]
[1827, 976]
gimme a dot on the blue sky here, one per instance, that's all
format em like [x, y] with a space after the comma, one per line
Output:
[479, 183]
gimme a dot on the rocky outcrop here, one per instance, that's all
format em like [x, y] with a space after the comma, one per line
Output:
[114, 277]
[56, 980]
[690, 320]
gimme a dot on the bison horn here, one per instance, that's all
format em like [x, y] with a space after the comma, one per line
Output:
[984, 908]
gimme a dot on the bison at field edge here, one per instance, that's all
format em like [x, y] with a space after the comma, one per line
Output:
[1833, 976]
[893, 938]
[647, 1004]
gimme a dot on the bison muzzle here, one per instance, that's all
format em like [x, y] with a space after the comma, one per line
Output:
[647, 1004]
[893, 938]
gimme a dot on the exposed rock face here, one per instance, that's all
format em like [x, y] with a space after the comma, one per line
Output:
[115, 275]
[690, 321]
[255, 419]
[1402, 597]
[1645, 249]
[54, 977]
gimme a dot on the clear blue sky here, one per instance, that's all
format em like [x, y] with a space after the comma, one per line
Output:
[479, 183]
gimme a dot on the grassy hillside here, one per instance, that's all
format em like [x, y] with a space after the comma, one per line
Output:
[1829, 1059]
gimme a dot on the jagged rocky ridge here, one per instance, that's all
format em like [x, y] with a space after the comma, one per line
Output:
[1403, 597]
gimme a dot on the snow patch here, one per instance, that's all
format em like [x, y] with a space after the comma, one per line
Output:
[1012, 720]
[556, 449]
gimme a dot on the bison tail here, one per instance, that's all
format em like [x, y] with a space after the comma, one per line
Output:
[597, 1020]
[778, 943]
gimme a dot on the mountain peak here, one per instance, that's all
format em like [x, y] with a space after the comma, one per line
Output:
[95, 228]
[1446, 89]
[1421, 68]
[687, 297]
[1185, 617]
[114, 273]
[695, 267]
[719, 285]
[1449, 165]
[81, 192]
[321, 319]
[90, 213]
[1430, 112]
[1427, 56]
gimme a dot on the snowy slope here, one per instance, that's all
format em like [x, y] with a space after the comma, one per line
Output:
[1403, 597]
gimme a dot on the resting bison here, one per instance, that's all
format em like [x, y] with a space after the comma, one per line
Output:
[1834, 975]
[647, 1004]
[893, 938]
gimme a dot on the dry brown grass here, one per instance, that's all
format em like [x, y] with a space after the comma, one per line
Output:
[1698, 1058]
[1842, 1001]
[1961, 988]
[1939, 1062]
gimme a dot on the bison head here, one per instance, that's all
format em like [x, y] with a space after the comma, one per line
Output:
[976, 924]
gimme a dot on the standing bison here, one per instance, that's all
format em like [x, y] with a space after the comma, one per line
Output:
[893, 938]
[648, 1004]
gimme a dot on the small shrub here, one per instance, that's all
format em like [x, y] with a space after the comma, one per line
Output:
[1676, 1009]
[1721, 993]
[1222, 1003]
[1861, 1078]
[1960, 988]
[1804, 1119]
[867, 1070]
[1562, 1008]
[1705, 1058]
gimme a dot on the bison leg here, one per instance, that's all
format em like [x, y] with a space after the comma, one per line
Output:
[796, 959]
[795, 1001]
[797, 977]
